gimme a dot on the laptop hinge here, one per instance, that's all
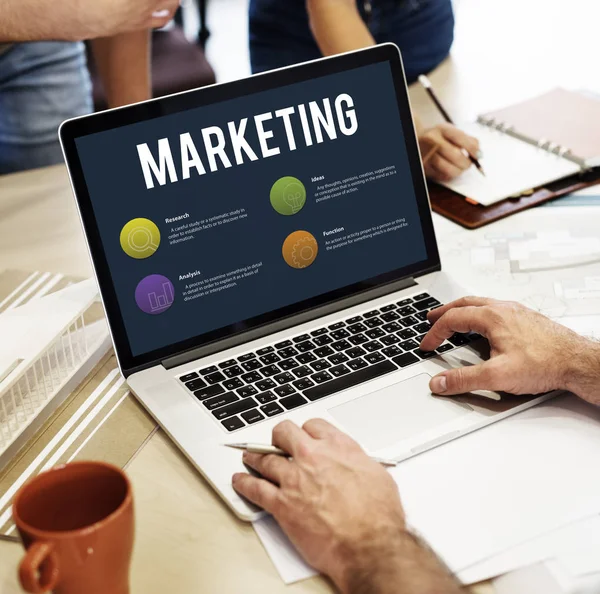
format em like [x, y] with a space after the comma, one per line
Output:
[284, 324]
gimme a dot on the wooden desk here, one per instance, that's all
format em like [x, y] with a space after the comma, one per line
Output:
[187, 542]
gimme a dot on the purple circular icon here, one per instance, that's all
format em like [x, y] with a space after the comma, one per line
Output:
[154, 294]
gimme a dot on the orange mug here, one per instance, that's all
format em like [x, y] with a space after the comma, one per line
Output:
[76, 523]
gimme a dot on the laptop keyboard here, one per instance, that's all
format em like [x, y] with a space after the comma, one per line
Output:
[275, 379]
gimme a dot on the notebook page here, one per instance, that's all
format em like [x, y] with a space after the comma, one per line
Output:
[511, 167]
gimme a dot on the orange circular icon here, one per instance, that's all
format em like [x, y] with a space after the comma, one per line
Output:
[300, 249]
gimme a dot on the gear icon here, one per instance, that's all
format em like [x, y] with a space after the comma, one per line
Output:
[300, 249]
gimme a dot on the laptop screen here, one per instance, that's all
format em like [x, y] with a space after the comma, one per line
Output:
[212, 217]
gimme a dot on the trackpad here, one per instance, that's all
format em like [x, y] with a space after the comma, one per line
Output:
[400, 411]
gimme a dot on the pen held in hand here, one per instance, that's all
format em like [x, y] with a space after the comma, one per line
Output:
[426, 84]
[257, 448]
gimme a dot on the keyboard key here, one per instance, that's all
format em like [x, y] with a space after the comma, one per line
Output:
[421, 315]
[246, 357]
[341, 345]
[355, 352]
[421, 296]
[227, 363]
[195, 384]
[338, 358]
[324, 351]
[306, 358]
[288, 364]
[320, 365]
[271, 409]
[339, 334]
[391, 327]
[356, 328]
[375, 333]
[409, 345]
[420, 338]
[265, 384]
[354, 319]
[284, 390]
[188, 377]
[391, 351]
[304, 383]
[404, 302]
[266, 397]
[323, 340]
[209, 392]
[407, 310]
[423, 327]
[425, 354]
[302, 371]
[302, 338]
[336, 326]
[293, 401]
[321, 377]
[319, 332]
[445, 347]
[374, 358]
[270, 358]
[358, 339]
[350, 380]
[405, 359]
[390, 339]
[283, 345]
[270, 370]
[426, 304]
[252, 377]
[305, 346]
[251, 365]
[372, 346]
[339, 370]
[233, 384]
[233, 371]
[356, 364]
[252, 416]
[458, 339]
[390, 316]
[247, 391]
[373, 322]
[371, 314]
[208, 370]
[235, 408]
[284, 378]
[215, 378]
[221, 400]
[406, 334]
[233, 423]
[288, 352]
[387, 308]
[408, 321]
[265, 350]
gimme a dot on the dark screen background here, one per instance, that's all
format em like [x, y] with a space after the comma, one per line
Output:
[118, 193]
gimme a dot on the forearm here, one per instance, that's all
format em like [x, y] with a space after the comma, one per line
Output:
[123, 62]
[400, 565]
[583, 373]
[17, 24]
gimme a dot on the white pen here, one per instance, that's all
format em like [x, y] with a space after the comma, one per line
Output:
[258, 448]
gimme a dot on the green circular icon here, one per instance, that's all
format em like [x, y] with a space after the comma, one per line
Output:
[140, 238]
[288, 195]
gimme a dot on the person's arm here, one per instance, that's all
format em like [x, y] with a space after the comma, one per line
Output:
[530, 354]
[76, 20]
[123, 62]
[343, 512]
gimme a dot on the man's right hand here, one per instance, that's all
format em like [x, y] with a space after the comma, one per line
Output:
[530, 354]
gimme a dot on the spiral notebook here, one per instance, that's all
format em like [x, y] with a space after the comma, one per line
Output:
[532, 144]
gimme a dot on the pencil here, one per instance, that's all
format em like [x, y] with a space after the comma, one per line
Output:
[425, 82]
[257, 448]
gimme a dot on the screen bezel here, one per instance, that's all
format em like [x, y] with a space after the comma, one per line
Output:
[76, 128]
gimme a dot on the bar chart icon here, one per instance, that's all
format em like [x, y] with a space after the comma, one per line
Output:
[155, 294]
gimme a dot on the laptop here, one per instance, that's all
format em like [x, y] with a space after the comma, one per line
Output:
[265, 251]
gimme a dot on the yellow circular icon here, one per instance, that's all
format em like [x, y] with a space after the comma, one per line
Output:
[140, 238]
[300, 249]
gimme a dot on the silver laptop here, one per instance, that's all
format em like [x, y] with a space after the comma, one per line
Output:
[265, 251]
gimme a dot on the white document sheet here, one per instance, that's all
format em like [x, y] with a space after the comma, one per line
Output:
[489, 491]
[511, 167]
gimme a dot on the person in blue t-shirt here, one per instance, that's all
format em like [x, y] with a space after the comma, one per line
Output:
[285, 32]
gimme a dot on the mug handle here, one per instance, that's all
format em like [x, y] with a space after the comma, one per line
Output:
[38, 571]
